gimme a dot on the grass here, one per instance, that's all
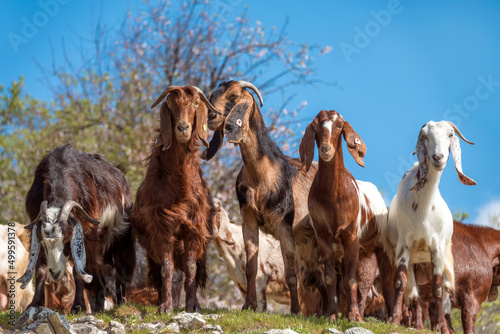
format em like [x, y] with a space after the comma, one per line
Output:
[235, 321]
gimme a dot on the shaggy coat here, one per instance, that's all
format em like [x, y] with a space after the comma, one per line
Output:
[173, 213]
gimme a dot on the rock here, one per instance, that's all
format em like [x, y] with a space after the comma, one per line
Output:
[211, 316]
[280, 331]
[41, 328]
[358, 330]
[88, 319]
[86, 328]
[153, 327]
[189, 320]
[60, 324]
[334, 331]
[213, 329]
[173, 327]
[115, 328]
[33, 314]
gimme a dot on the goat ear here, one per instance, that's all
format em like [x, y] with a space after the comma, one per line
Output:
[201, 123]
[355, 145]
[455, 150]
[215, 144]
[78, 253]
[306, 148]
[34, 250]
[421, 152]
[228, 239]
[166, 126]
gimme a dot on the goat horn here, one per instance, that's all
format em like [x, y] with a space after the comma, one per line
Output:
[162, 96]
[246, 84]
[457, 131]
[68, 206]
[78, 253]
[42, 213]
[34, 250]
[205, 100]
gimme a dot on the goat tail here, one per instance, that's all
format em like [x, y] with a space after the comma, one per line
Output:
[449, 272]
[201, 271]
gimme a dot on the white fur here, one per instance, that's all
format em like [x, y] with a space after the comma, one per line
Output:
[269, 283]
[328, 125]
[377, 207]
[52, 242]
[420, 224]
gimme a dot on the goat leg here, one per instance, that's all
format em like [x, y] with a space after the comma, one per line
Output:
[351, 254]
[79, 302]
[251, 239]
[418, 317]
[332, 304]
[190, 282]
[40, 277]
[400, 285]
[287, 250]
[167, 273]
[437, 292]
[469, 311]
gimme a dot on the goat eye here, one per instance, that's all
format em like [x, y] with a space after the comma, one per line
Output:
[451, 135]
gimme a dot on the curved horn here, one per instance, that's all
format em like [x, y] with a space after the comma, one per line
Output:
[162, 96]
[457, 131]
[68, 206]
[207, 103]
[246, 84]
[34, 250]
[42, 213]
[78, 253]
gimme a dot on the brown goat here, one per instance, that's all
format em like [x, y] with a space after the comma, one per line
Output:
[476, 250]
[343, 210]
[173, 213]
[271, 191]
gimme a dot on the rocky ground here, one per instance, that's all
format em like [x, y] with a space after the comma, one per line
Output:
[42, 320]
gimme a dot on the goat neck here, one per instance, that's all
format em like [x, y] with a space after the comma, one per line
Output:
[334, 170]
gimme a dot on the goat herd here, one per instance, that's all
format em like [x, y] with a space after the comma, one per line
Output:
[330, 245]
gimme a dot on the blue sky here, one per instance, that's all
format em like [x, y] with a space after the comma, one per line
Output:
[398, 65]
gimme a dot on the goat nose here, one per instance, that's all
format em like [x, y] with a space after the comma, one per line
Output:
[325, 149]
[437, 157]
[182, 128]
[53, 273]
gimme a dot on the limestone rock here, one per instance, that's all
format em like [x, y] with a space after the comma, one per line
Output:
[152, 327]
[213, 329]
[189, 320]
[60, 324]
[116, 328]
[358, 330]
[334, 331]
[280, 331]
[173, 327]
[86, 328]
[211, 316]
[33, 314]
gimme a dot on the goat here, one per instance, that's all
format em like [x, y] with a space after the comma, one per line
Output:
[270, 280]
[344, 211]
[64, 180]
[14, 258]
[271, 191]
[476, 251]
[173, 213]
[419, 222]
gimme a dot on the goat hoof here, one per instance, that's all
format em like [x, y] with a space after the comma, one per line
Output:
[249, 306]
[165, 309]
[354, 316]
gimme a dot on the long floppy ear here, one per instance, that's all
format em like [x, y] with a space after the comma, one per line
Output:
[306, 148]
[78, 253]
[201, 123]
[215, 144]
[422, 163]
[456, 151]
[166, 126]
[355, 145]
[34, 250]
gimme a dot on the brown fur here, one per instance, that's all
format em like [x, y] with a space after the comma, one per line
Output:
[271, 192]
[173, 213]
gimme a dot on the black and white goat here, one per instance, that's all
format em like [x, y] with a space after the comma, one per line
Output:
[67, 180]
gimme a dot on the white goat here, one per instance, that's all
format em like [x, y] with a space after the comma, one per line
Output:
[270, 279]
[12, 296]
[419, 223]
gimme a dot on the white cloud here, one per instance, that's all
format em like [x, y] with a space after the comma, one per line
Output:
[487, 211]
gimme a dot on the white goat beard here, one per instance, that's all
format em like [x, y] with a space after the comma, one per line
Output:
[56, 259]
